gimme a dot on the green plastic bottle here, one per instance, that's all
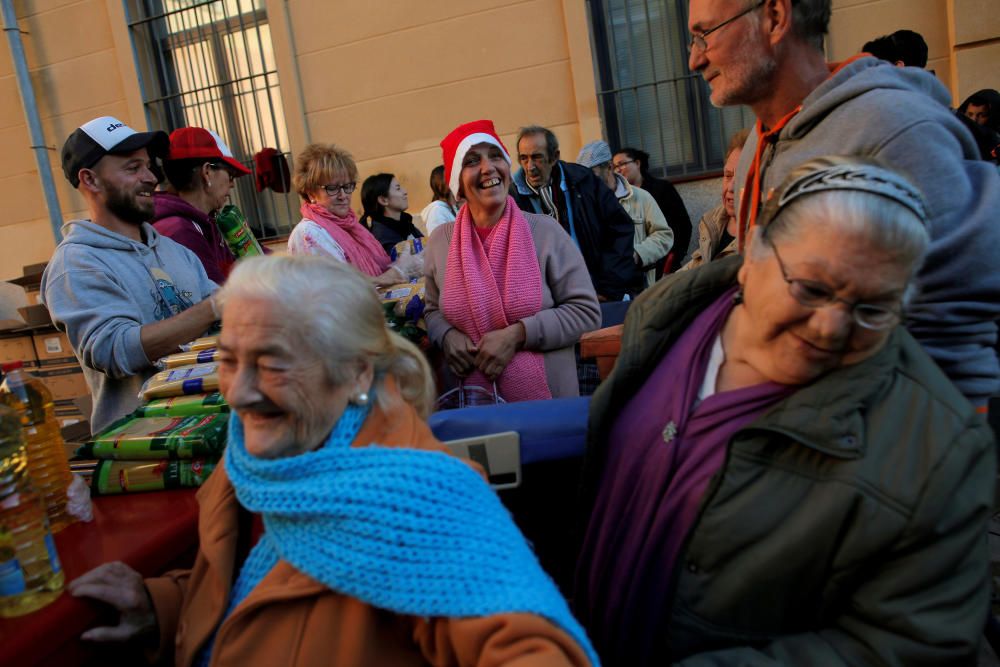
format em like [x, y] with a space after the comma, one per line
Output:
[31, 575]
[234, 228]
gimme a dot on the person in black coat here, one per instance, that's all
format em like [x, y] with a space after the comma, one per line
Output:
[385, 202]
[633, 164]
[584, 206]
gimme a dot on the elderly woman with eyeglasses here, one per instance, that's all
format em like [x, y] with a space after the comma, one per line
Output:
[325, 178]
[337, 530]
[779, 474]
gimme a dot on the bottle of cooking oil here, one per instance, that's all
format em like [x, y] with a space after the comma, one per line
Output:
[47, 462]
[30, 573]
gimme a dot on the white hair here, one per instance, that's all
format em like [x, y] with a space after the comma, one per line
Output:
[886, 224]
[340, 321]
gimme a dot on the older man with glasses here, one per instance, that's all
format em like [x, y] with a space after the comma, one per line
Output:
[768, 55]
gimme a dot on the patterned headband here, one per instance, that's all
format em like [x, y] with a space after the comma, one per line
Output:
[856, 176]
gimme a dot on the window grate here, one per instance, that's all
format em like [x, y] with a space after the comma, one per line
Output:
[648, 97]
[210, 63]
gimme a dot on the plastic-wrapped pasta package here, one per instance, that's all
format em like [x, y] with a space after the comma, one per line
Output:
[197, 379]
[114, 477]
[145, 438]
[203, 343]
[184, 406]
[190, 358]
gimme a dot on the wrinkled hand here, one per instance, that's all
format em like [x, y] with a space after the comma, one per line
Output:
[459, 352]
[121, 587]
[412, 266]
[497, 348]
[391, 277]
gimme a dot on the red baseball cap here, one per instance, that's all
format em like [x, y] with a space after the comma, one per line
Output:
[188, 143]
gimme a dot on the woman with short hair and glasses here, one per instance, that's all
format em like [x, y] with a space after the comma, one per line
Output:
[201, 172]
[325, 177]
[777, 472]
[632, 164]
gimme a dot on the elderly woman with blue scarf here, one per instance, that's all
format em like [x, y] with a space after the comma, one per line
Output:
[378, 547]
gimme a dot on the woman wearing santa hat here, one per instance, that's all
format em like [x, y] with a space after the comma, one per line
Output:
[508, 293]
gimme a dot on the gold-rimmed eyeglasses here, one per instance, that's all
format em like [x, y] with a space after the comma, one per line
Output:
[698, 40]
[813, 294]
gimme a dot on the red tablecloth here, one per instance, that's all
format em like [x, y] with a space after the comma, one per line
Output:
[151, 532]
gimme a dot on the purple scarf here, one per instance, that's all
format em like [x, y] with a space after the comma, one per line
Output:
[662, 452]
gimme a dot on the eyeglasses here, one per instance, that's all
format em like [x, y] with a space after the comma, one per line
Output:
[813, 294]
[621, 165]
[698, 40]
[346, 188]
[221, 167]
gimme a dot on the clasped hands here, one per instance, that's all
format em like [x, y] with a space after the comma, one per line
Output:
[491, 356]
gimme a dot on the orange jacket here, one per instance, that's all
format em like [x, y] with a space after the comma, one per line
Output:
[291, 619]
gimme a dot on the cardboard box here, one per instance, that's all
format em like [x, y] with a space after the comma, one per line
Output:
[53, 349]
[18, 348]
[34, 295]
[65, 382]
[35, 316]
[12, 297]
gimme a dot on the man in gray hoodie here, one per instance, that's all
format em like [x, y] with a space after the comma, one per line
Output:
[124, 295]
[768, 54]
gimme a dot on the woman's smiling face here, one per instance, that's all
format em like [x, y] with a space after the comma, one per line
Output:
[795, 344]
[485, 177]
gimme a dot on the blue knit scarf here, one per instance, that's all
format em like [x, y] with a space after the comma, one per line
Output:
[411, 531]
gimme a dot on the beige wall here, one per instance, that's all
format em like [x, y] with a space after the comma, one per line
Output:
[974, 31]
[78, 73]
[391, 78]
[855, 22]
[963, 36]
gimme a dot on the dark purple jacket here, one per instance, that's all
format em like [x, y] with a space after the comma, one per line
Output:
[193, 229]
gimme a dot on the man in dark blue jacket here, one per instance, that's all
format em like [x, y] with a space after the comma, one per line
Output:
[585, 207]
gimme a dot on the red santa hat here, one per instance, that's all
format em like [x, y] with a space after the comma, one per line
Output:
[460, 140]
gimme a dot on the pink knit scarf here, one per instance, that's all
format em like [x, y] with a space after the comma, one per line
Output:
[490, 285]
[363, 251]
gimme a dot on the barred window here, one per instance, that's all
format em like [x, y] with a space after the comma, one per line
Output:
[647, 96]
[209, 63]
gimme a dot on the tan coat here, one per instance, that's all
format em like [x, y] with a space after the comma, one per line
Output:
[653, 236]
[710, 229]
[291, 619]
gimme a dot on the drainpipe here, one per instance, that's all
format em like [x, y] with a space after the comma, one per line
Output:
[27, 91]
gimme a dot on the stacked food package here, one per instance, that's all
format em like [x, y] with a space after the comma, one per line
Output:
[174, 438]
[404, 302]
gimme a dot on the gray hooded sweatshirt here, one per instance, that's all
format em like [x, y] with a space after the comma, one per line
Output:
[100, 288]
[900, 116]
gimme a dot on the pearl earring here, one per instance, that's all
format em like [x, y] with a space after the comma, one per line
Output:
[361, 399]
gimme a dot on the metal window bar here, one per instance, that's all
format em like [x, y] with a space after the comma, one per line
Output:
[647, 95]
[209, 63]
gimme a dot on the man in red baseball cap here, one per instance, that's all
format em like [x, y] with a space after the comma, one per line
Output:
[124, 294]
[201, 172]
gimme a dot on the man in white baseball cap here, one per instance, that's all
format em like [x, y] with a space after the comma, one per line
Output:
[124, 295]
